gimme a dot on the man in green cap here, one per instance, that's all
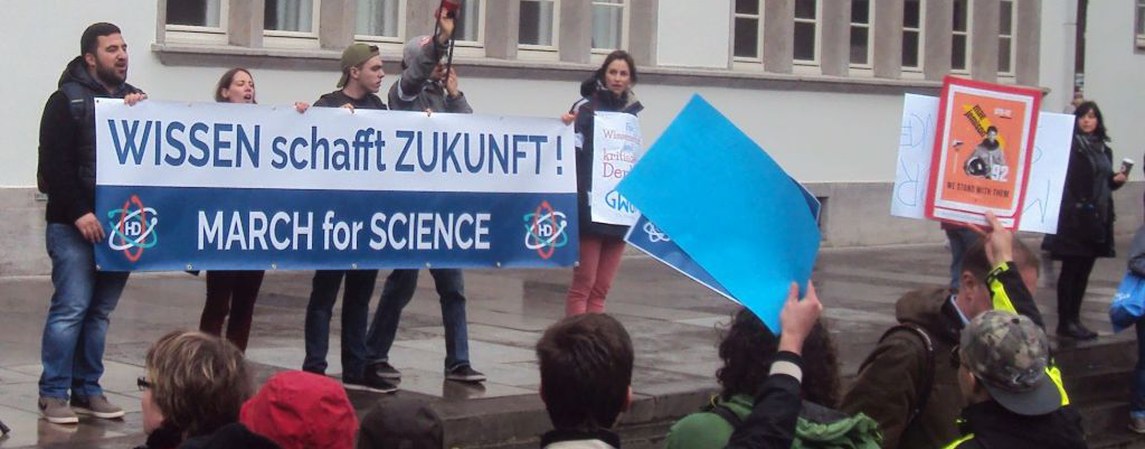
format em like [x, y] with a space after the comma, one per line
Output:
[360, 82]
[1012, 402]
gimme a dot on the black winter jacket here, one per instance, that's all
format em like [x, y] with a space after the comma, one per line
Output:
[596, 98]
[337, 99]
[995, 427]
[771, 424]
[1085, 223]
[67, 147]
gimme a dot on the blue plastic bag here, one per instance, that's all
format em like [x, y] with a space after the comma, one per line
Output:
[1129, 303]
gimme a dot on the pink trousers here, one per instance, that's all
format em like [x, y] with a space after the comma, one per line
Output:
[599, 260]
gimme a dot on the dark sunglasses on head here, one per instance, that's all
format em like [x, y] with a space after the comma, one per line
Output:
[142, 383]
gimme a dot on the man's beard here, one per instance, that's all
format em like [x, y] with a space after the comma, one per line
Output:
[107, 75]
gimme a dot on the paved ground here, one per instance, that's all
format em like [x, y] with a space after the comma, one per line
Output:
[672, 320]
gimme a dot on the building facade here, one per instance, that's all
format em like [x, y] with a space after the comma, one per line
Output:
[817, 83]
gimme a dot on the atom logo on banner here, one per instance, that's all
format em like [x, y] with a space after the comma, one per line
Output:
[655, 235]
[545, 230]
[132, 228]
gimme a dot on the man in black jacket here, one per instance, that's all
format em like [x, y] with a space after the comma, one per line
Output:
[358, 87]
[76, 328]
[1013, 403]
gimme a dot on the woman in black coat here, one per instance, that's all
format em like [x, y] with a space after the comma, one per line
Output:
[1085, 224]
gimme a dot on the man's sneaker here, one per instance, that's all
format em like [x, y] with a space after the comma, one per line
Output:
[464, 373]
[1137, 424]
[369, 383]
[383, 370]
[56, 411]
[96, 406]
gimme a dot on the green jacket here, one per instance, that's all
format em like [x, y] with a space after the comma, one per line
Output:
[818, 427]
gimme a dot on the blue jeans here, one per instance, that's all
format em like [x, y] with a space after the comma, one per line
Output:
[355, 313]
[1137, 401]
[399, 289]
[960, 240]
[76, 329]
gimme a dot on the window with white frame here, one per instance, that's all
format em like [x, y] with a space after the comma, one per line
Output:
[195, 13]
[748, 30]
[470, 20]
[1140, 27]
[960, 42]
[537, 27]
[608, 24]
[197, 21]
[1006, 37]
[912, 34]
[379, 20]
[806, 31]
[861, 14]
[295, 16]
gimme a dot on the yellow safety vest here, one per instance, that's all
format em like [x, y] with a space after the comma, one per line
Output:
[1002, 302]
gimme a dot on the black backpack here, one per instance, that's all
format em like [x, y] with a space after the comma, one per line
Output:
[78, 104]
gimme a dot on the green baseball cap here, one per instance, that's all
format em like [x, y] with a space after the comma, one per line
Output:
[1008, 353]
[352, 56]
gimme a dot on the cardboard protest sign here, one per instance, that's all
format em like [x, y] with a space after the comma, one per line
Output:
[735, 212]
[1047, 168]
[983, 147]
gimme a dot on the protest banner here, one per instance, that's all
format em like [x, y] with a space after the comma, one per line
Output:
[617, 146]
[1042, 202]
[223, 186]
[983, 148]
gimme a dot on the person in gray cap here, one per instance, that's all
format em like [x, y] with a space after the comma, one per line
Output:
[1013, 403]
[358, 87]
[426, 84]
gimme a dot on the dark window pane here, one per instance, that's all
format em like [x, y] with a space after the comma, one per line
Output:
[960, 15]
[860, 11]
[187, 12]
[746, 38]
[288, 15]
[804, 41]
[1006, 18]
[911, 13]
[1004, 55]
[747, 7]
[1141, 20]
[958, 53]
[805, 9]
[909, 49]
[529, 30]
[858, 45]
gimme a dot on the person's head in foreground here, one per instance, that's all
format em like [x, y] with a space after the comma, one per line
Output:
[300, 410]
[748, 348]
[195, 382]
[1003, 357]
[586, 371]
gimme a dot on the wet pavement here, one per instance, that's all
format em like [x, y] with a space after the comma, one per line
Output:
[673, 322]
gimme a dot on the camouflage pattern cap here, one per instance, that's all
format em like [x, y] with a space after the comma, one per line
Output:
[1008, 353]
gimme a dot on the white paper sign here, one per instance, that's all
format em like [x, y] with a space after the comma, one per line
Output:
[1047, 170]
[617, 146]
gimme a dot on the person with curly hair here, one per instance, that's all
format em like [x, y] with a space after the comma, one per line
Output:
[748, 349]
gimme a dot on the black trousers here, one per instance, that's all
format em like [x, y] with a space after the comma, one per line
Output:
[1072, 283]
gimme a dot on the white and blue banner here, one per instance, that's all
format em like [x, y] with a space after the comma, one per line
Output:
[222, 186]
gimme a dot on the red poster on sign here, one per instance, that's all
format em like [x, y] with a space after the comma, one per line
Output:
[982, 151]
